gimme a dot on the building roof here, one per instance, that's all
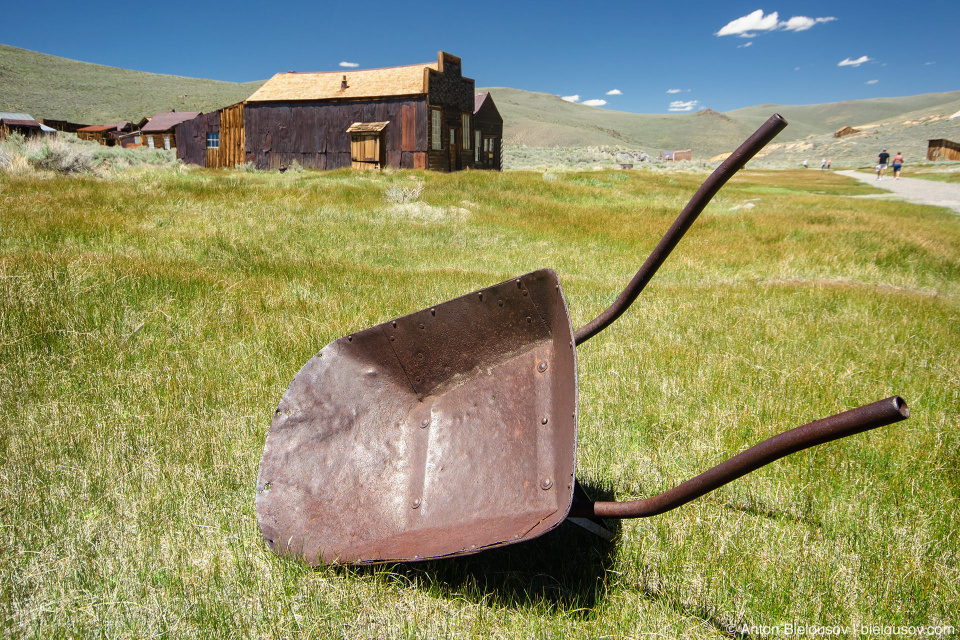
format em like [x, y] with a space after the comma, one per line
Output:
[10, 122]
[167, 121]
[21, 118]
[100, 127]
[366, 83]
[478, 100]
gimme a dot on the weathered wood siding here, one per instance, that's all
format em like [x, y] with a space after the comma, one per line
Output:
[192, 135]
[453, 95]
[943, 149]
[231, 151]
[315, 133]
[489, 122]
[158, 142]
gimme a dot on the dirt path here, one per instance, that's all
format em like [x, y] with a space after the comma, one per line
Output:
[938, 194]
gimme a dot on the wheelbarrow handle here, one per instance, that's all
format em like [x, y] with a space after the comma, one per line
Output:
[871, 416]
[684, 221]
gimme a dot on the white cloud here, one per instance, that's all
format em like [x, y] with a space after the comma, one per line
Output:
[927, 64]
[872, 81]
[575, 98]
[745, 26]
[675, 90]
[594, 103]
[745, 45]
[802, 23]
[750, 24]
[680, 105]
[847, 62]
[614, 92]
[351, 65]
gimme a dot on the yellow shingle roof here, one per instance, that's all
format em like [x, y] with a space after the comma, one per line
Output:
[367, 83]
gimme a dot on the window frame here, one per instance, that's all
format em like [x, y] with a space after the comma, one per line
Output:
[466, 131]
[436, 129]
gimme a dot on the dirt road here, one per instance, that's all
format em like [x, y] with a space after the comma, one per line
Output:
[938, 194]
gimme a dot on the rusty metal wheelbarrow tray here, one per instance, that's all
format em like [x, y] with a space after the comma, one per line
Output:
[453, 429]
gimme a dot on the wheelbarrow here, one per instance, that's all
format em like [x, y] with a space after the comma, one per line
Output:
[453, 429]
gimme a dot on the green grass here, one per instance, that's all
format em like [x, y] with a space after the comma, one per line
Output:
[151, 320]
[953, 177]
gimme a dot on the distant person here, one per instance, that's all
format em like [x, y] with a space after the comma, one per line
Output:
[828, 164]
[804, 164]
[882, 163]
[823, 164]
[897, 165]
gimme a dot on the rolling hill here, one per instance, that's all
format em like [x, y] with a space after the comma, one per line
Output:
[51, 87]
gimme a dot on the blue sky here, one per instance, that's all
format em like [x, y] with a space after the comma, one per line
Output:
[633, 56]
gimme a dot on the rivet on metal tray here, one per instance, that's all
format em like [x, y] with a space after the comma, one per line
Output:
[481, 296]
[433, 312]
[500, 303]
[416, 503]
[392, 338]
[424, 423]
[545, 421]
[423, 326]
[546, 483]
[529, 319]
[525, 292]
[418, 379]
[519, 286]
[394, 324]
[420, 356]
[542, 366]
[349, 338]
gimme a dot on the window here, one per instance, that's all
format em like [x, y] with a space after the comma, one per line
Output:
[466, 131]
[166, 142]
[436, 137]
[150, 141]
[476, 146]
[213, 140]
[453, 136]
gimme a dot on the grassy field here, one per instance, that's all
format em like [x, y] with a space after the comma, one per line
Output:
[150, 320]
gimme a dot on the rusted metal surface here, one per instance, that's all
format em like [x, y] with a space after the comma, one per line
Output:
[841, 425]
[453, 429]
[444, 432]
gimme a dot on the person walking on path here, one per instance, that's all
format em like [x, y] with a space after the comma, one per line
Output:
[828, 164]
[823, 164]
[897, 165]
[882, 163]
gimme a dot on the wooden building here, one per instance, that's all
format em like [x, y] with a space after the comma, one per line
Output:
[24, 124]
[63, 125]
[417, 116]
[677, 155]
[942, 149]
[105, 134]
[845, 131]
[213, 139]
[159, 133]
[488, 133]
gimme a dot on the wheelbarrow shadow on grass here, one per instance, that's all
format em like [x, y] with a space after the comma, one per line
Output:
[565, 569]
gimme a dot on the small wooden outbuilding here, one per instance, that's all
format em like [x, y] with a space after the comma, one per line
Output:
[677, 155]
[488, 133]
[24, 124]
[63, 125]
[214, 139]
[105, 134]
[159, 133]
[942, 149]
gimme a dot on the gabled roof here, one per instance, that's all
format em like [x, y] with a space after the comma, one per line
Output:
[10, 122]
[366, 83]
[167, 121]
[478, 100]
[102, 127]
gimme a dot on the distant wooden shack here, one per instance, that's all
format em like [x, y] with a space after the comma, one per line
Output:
[942, 149]
[839, 133]
[488, 133]
[24, 124]
[105, 134]
[426, 112]
[214, 139]
[159, 132]
[677, 155]
[63, 125]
